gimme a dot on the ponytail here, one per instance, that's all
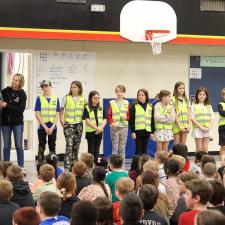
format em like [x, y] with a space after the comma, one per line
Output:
[104, 189]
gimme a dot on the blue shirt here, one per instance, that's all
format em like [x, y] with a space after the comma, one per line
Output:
[38, 109]
[57, 220]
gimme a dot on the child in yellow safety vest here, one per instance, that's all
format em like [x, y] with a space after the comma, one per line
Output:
[182, 124]
[47, 113]
[118, 116]
[202, 119]
[71, 113]
[141, 121]
[95, 118]
[164, 119]
[221, 110]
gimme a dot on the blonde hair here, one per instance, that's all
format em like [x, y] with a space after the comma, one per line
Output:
[162, 156]
[151, 165]
[180, 160]
[21, 79]
[6, 190]
[125, 185]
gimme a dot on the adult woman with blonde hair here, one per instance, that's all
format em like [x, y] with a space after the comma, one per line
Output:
[13, 104]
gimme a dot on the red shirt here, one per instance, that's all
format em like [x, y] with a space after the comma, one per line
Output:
[116, 218]
[186, 166]
[188, 218]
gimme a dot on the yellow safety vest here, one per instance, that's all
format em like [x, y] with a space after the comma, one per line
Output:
[117, 112]
[74, 112]
[48, 109]
[143, 117]
[164, 125]
[182, 114]
[202, 115]
[93, 120]
[222, 118]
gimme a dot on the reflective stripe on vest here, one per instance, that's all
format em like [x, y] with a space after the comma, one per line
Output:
[182, 114]
[48, 109]
[74, 112]
[143, 117]
[222, 118]
[202, 115]
[93, 120]
[164, 125]
[118, 112]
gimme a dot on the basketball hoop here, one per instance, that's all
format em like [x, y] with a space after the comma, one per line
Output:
[153, 36]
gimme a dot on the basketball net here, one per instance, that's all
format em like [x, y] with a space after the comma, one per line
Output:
[153, 37]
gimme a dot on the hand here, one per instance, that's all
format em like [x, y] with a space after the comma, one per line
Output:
[50, 130]
[133, 136]
[63, 123]
[3, 104]
[113, 125]
[151, 136]
[204, 129]
[182, 129]
[123, 117]
[187, 129]
[46, 130]
[98, 130]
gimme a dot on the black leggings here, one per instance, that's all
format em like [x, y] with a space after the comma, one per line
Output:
[94, 142]
[141, 142]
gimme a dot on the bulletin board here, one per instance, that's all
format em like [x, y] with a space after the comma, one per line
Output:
[63, 67]
[209, 72]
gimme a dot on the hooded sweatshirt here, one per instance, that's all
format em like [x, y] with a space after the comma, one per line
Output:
[22, 194]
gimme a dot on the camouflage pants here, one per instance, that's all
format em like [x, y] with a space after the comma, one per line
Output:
[119, 140]
[73, 135]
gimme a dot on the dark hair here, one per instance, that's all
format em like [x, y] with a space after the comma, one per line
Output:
[199, 154]
[171, 166]
[207, 158]
[79, 168]
[84, 213]
[4, 166]
[101, 161]
[150, 177]
[47, 172]
[145, 93]
[116, 161]
[210, 217]
[187, 176]
[130, 208]
[26, 216]
[105, 211]
[90, 96]
[206, 102]
[200, 187]
[50, 203]
[149, 195]
[175, 91]
[99, 174]
[163, 93]
[180, 149]
[52, 159]
[218, 192]
[135, 164]
[14, 173]
[79, 85]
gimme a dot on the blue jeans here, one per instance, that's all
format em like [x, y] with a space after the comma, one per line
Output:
[18, 138]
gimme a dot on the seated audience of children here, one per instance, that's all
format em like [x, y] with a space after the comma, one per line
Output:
[48, 207]
[7, 207]
[47, 174]
[21, 191]
[79, 169]
[116, 165]
[98, 189]
[66, 184]
[26, 216]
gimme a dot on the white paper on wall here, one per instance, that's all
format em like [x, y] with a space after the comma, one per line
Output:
[63, 67]
[195, 73]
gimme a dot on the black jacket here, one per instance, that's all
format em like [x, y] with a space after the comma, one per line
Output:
[12, 114]
[22, 194]
[6, 212]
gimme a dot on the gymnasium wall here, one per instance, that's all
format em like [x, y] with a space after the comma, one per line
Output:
[130, 64]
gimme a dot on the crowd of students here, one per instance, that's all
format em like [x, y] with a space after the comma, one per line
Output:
[166, 190]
